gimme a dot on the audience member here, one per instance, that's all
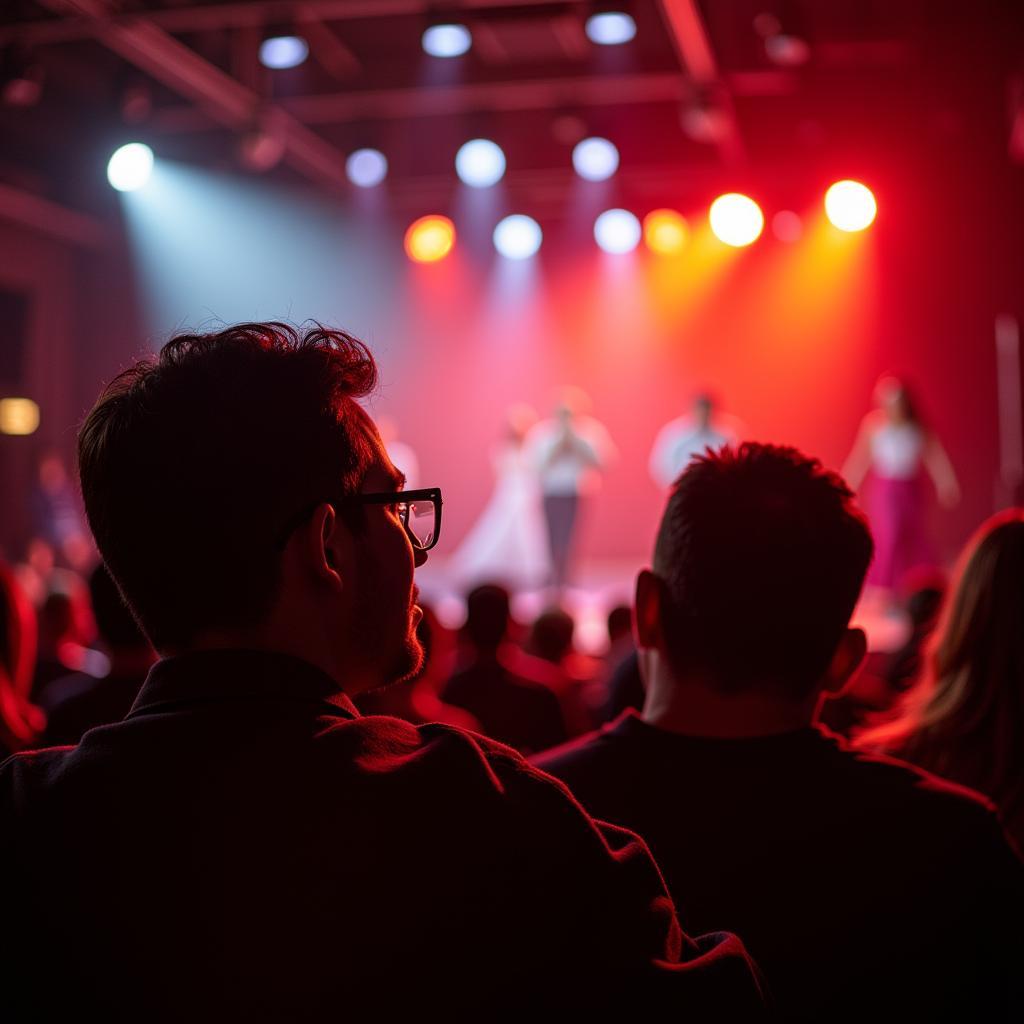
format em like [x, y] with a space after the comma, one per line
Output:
[20, 720]
[66, 628]
[245, 846]
[417, 699]
[81, 701]
[965, 718]
[887, 674]
[623, 687]
[863, 886]
[574, 676]
[511, 695]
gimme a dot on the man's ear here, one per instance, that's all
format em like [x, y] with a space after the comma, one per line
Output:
[648, 609]
[849, 655]
[318, 546]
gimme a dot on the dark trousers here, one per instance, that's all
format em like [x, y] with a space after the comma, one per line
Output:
[560, 514]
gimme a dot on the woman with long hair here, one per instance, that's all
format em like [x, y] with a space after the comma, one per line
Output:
[898, 450]
[964, 719]
[20, 720]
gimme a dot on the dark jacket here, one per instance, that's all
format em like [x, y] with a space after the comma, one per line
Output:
[865, 889]
[244, 846]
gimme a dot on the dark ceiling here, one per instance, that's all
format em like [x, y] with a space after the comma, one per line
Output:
[704, 95]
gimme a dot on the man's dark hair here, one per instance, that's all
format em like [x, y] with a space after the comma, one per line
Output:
[194, 463]
[114, 621]
[763, 554]
[487, 616]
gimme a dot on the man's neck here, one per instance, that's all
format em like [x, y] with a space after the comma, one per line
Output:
[693, 707]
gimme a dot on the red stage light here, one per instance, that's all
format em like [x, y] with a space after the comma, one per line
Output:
[430, 239]
[665, 231]
[850, 206]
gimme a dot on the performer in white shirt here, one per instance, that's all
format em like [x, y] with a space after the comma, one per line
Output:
[683, 438]
[569, 453]
[898, 451]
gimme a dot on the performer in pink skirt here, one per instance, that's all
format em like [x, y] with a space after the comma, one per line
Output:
[899, 451]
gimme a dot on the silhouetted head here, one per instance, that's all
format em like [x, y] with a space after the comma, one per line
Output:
[620, 623]
[487, 616]
[221, 480]
[551, 634]
[758, 565]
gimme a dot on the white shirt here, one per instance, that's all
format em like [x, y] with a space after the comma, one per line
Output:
[678, 442]
[896, 451]
[575, 471]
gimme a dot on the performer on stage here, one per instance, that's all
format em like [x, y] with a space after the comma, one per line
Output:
[569, 452]
[506, 544]
[683, 438]
[898, 450]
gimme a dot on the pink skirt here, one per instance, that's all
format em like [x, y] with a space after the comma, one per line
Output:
[898, 513]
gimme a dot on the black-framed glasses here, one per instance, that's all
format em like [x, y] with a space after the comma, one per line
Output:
[419, 511]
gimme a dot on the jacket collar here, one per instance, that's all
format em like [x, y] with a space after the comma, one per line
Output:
[202, 677]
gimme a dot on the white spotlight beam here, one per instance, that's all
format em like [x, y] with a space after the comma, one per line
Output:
[690, 39]
[224, 98]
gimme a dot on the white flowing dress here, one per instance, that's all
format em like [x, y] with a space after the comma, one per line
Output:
[507, 544]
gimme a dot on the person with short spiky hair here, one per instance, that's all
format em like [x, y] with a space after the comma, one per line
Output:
[863, 887]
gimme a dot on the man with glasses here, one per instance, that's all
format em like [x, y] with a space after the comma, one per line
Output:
[245, 846]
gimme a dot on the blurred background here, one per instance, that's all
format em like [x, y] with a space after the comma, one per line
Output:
[281, 154]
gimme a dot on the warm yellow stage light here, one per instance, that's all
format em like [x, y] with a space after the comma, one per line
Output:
[665, 231]
[430, 239]
[18, 416]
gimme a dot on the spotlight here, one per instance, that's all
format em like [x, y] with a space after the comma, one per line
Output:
[617, 231]
[517, 237]
[665, 232]
[736, 219]
[18, 416]
[787, 226]
[130, 167]
[366, 167]
[429, 239]
[281, 52]
[595, 159]
[480, 163]
[850, 205]
[447, 40]
[610, 28]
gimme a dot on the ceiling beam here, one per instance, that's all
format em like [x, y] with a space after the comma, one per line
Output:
[39, 214]
[444, 101]
[689, 36]
[222, 97]
[201, 18]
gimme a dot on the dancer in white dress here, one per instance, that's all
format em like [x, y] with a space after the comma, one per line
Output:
[507, 543]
